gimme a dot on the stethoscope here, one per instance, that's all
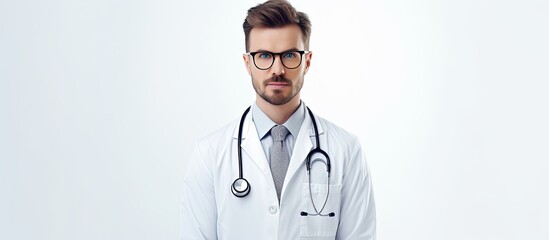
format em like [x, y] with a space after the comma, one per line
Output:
[241, 186]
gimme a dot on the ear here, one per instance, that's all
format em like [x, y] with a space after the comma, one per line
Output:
[308, 58]
[246, 59]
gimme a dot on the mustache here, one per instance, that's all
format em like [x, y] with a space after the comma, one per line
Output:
[278, 79]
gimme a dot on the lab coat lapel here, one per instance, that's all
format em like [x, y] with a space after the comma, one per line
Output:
[252, 147]
[303, 145]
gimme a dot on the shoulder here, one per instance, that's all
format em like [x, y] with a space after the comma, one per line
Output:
[340, 140]
[346, 146]
[219, 137]
[336, 132]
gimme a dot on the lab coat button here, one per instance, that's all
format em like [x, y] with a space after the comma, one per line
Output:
[272, 209]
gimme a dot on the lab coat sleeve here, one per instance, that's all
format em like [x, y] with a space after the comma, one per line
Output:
[198, 208]
[358, 214]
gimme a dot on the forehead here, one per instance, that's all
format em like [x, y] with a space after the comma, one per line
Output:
[276, 39]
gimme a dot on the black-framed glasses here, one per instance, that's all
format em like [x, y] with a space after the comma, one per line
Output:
[264, 60]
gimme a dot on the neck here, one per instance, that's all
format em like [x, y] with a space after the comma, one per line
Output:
[278, 113]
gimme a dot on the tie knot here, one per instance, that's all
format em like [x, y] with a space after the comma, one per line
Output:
[279, 133]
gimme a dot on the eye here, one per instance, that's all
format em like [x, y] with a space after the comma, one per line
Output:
[265, 55]
[289, 55]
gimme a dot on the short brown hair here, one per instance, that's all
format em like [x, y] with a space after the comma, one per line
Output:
[273, 14]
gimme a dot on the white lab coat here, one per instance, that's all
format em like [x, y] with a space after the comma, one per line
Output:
[209, 210]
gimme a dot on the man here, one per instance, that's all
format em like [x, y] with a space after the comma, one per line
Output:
[270, 192]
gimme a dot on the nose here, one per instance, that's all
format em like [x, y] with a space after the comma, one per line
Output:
[278, 67]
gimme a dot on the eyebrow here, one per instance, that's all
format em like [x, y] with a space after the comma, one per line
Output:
[263, 50]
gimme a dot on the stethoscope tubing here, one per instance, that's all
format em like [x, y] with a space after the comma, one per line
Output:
[241, 186]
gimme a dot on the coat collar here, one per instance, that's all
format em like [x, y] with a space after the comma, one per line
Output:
[248, 123]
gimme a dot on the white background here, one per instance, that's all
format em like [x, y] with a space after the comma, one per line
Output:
[101, 101]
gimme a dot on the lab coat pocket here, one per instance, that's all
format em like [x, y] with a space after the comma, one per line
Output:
[315, 226]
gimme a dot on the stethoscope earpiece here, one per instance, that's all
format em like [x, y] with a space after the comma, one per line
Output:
[305, 214]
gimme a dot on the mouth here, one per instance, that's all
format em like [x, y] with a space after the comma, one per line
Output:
[277, 85]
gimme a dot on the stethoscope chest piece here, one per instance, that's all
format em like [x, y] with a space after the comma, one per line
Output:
[240, 187]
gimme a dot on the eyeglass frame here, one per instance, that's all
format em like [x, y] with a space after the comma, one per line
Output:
[279, 54]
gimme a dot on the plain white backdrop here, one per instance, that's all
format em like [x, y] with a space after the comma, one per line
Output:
[101, 101]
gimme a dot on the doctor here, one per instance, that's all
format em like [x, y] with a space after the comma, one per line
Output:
[279, 172]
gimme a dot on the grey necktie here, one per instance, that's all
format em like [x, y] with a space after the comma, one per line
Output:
[279, 157]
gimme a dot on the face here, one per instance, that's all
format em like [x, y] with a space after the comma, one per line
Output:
[277, 85]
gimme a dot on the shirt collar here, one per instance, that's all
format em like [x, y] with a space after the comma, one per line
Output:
[264, 124]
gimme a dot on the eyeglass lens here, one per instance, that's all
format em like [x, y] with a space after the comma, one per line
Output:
[264, 60]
